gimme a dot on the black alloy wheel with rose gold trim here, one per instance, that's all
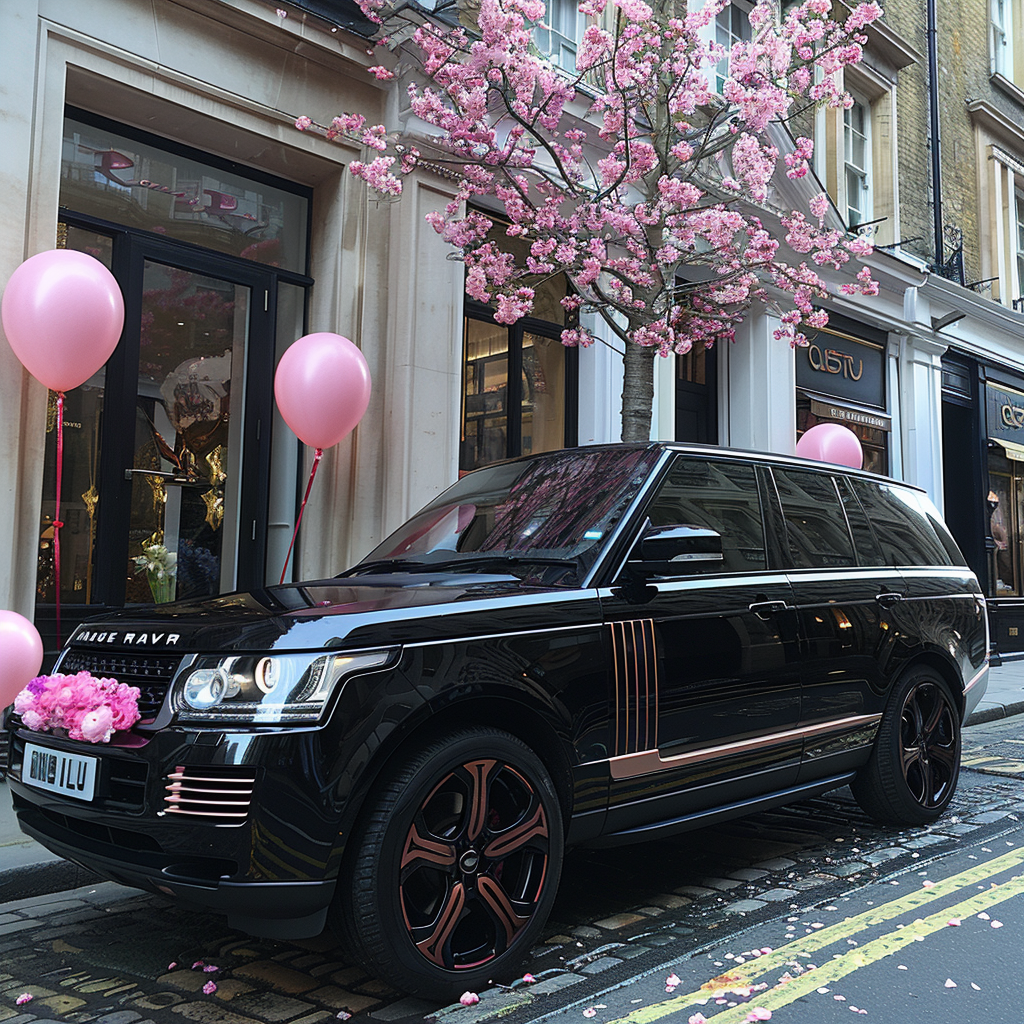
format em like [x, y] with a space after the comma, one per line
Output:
[457, 864]
[915, 763]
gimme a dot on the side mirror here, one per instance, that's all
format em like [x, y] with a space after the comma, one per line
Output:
[676, 551]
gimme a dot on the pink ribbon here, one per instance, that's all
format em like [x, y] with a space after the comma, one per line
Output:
[57, 524]
[317, 456]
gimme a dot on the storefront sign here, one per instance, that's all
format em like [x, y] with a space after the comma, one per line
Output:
[842, 367]
[1005, 414]
[841, 414]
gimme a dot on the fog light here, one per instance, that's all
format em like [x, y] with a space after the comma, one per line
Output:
[205, 688]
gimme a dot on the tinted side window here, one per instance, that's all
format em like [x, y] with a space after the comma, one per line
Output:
[864, 540]
[722, 496]
[903, 530]
[819, 537]
[941, 530]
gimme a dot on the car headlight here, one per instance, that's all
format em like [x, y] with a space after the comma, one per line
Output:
[266, 689]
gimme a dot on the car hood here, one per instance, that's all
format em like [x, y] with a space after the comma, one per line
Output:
[352, 612]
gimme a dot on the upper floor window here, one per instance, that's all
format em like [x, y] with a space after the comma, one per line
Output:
[732, 25]
[857, 157]
[559, 34]
[1001, 38]
[1019, 197]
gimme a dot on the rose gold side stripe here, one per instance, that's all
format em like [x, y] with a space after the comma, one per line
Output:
[645, 762]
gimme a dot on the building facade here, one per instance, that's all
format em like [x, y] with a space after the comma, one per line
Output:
[160, 138]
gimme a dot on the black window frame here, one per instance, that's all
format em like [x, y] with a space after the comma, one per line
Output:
[473, 310]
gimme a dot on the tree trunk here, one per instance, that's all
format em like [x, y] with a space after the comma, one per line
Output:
[637, 392]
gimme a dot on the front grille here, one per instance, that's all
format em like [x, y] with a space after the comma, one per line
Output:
[217, 795]
[151, 673]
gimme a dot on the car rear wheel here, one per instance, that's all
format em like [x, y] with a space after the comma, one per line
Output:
[456, 866]
[915, 763]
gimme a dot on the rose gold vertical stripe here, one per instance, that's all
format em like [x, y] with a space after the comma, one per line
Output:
[656, 711]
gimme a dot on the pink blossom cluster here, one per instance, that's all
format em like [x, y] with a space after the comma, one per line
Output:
[85, 707]
[635, 174]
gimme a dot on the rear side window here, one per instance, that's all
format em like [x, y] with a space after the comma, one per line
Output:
[904, 532]
[941, 530]
[722, 496]
[819, 537]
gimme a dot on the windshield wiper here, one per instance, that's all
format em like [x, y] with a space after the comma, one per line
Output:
[458, 563]
[391, 564]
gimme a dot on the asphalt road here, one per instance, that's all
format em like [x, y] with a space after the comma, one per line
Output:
[817, 883]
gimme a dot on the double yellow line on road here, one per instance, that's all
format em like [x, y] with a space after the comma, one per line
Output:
[784, 993]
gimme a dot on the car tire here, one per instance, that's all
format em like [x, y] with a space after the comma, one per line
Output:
[456, 866]
[915, 762]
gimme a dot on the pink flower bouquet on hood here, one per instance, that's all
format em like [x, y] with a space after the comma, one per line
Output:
[88, 708]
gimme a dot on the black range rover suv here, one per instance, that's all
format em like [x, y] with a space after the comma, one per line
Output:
[597, 645]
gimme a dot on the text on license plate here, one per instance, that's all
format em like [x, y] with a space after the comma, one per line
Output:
[60, 772]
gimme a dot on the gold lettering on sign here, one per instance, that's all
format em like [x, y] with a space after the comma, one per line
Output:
[1012, 415]
[830, 360]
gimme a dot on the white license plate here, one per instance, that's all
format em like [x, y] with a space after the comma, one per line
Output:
[60, 772]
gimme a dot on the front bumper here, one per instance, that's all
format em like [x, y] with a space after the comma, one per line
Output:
[269, 864]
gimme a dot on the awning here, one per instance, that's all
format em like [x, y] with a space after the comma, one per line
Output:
[1013, 450]
[828, 408]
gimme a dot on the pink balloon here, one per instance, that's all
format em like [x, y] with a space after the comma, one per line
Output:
[62, 313]
[831, 442]
[21, 655]
[322, 387]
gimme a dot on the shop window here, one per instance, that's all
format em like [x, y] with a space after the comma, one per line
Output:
[514, 393]
[518, 381]
[133, 180]
[1005, 501]
[83, 414]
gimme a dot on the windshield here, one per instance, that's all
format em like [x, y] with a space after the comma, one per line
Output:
[556, 509]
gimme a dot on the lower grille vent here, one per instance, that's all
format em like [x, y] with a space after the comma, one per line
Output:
[213, 794]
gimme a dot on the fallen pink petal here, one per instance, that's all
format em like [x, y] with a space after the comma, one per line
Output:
[590, 1012]
[698, 1018]
[209, 988]
[997, 924]
[25, 997]
[172, 965]
[950, 983]
[759, 1013]
[672, 979]
[198, 963]
[953, 922]
[529, 979]
[928, 883]
[469, 998]
[210, 968]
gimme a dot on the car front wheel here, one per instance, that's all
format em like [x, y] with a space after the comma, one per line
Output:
[915, 763]
[455, 868]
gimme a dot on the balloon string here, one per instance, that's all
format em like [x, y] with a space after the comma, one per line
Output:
[317, 456]
[57, 524]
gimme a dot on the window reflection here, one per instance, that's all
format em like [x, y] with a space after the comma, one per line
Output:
[108, 175]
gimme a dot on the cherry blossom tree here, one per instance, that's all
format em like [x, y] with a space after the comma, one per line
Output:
[645, 176]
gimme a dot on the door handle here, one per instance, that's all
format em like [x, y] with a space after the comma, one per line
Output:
[888, 597]
[763, 609]
[168, 478]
